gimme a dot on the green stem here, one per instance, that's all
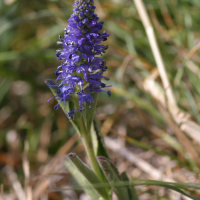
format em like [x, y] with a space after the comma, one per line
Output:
[87, 141]
[86, 137]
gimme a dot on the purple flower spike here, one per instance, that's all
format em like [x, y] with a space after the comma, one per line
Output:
[82, 67]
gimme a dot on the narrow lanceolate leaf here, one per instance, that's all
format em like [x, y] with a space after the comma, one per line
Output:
[131, 189]
[113, 176]
[88, 174]
[81, 180]
[98, 141]
[63, 105]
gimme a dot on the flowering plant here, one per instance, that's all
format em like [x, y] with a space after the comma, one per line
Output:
[80, 77]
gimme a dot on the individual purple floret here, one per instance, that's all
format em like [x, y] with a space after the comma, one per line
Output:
[82, 67]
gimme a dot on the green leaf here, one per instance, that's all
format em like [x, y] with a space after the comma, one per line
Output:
[88, 174]
[65, 107]
[98, 141]
[81, 180]
[112, 175]
[131, 189]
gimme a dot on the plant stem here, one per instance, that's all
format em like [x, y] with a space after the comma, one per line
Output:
[86, 137]
[84, 132]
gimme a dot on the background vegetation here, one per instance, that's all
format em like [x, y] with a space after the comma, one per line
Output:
[153, 143]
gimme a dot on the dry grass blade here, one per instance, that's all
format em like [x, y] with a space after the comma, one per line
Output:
[194, 50]
[186, 125]
[124, 52]
[42, 154]
[12, 176]
[156, 91]
[134, 159]
[193, 67]
[2, 192]
[190, 55]
[123, 68]
[190, 148]
[156, 52]
[106, 126]
[26, 168]
[100, 10]
[159, 27]
[165, 13]
[180, 117]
